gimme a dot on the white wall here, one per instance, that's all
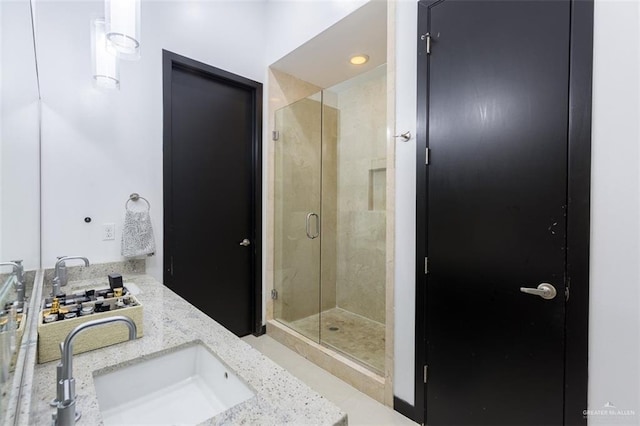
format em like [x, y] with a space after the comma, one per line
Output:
[19, 139]
[98, 147]
[2, 38]
[614, 368]
[405, 295]
[291, 23]
[2, 84]
[614, 334]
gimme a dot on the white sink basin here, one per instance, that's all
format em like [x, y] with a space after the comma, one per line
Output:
[185, 386]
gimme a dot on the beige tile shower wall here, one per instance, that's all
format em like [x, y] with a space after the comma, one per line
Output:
[361, 225]
[284, 90]
[329, 209]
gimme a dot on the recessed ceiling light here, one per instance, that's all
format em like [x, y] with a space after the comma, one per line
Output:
[359, 59]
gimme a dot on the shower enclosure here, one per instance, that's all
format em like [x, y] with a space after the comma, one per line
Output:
[330, 187]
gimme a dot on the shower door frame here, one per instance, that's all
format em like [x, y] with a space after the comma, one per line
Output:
[314, 273]
[377, 385]
[311, 275]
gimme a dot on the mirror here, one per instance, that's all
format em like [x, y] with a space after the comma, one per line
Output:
[19, 188]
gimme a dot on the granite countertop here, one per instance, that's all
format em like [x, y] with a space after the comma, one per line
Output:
[170, 321]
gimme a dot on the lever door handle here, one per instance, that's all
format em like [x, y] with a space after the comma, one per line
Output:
[245, 242]
[544, 290]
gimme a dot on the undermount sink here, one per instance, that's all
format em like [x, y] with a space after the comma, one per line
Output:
[185, 386]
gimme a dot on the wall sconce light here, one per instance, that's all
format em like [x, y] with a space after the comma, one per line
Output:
[106, 73]
[122, 18]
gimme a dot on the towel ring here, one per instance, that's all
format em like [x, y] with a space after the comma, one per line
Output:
[135, 197]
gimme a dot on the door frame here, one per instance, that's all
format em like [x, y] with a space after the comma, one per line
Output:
[170, 61]
[578, 211]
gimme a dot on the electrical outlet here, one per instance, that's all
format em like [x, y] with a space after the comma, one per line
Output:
[108, 231]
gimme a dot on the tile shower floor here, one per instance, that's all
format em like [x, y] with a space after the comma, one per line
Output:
[349, 333]
[361, 409]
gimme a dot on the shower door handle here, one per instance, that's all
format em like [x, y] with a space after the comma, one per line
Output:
[317, 234]
[308, 226]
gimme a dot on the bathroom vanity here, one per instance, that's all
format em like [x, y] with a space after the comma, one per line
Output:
[170, 325]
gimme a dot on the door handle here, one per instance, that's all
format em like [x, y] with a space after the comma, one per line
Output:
[317, 234]
[544, 290]
[245, 242]
[308, 226]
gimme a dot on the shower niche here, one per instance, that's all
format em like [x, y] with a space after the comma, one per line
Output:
[329, 162]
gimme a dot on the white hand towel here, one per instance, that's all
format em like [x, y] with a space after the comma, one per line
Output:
[137, 234]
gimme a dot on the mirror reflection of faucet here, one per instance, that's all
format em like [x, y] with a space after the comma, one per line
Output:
[62, 271]
[20, 286]
[60, 278]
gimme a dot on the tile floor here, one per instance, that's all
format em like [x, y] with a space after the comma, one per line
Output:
[361, 409]
[349, 333]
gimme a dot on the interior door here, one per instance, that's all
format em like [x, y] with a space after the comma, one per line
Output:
[210, 246]
[497, 99]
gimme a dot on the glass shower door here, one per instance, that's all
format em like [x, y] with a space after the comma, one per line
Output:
[330, 218]
[298, 180]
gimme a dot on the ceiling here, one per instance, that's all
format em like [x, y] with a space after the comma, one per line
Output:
[324, 60]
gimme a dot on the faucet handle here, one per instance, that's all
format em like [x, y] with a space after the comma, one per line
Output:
[20, 268]
[55, 286]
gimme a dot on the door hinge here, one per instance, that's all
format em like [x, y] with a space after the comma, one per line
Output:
[275, 135]
[274, 294]
[427, 41]
[426, 156]
[426, 265]
[425, 373]
[171, 267]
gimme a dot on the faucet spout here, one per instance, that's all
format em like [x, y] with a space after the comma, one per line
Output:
[66, 414]
[58, 280]
[67, 346]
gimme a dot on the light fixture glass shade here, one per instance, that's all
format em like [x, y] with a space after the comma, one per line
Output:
[106, 73]
[122, 18]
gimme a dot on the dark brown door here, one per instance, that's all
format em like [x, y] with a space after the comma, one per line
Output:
[498, 91]
[210, 182]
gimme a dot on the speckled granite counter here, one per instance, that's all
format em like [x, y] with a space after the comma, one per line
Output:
[170, 321]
